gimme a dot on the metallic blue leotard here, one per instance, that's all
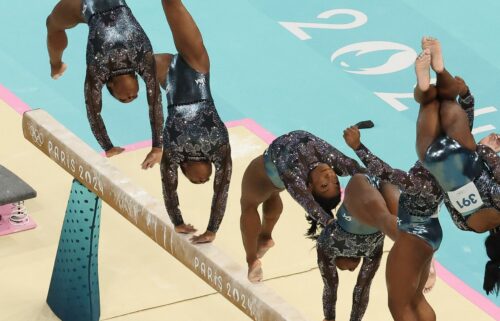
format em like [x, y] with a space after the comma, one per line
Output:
[193, 132]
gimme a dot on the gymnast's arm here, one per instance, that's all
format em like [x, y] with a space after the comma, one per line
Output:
[93, 102]
[169, 178]
[487, 154]
[147, 71]
[491, 158]
[223, 169]
[467, 103]
[466, 100]
[407, 182]
[187, 36]
[411, 184]
[361, 294]
[341, 164]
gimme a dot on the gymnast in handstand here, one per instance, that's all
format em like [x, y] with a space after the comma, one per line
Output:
[117, 50]
[194, 135]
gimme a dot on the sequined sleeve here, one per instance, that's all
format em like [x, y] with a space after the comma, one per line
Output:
[223, 169]
[411, 184]
[361, 293]
[169, 179]
[467, 103]
[297, 187]
[93, 102]
[491, 158]
[147, 70]
[342, 164]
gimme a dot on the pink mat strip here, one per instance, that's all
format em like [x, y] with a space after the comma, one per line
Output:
[10, 99]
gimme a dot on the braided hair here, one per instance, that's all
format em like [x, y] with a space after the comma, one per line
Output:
[327, 204]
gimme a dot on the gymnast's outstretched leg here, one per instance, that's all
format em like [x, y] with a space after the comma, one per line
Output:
[453, 120]
[407, 271]
[271, 212]
[187, 37]
[65, 15]
[435, 116]
[428, 122]
[256, 189]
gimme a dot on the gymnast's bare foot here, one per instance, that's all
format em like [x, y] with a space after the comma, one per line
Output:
[422, 70]
[57, 69]
[434, 46]
[431, 279]
[263, 245]
[255, 273]
[185, 229]
[114, 151]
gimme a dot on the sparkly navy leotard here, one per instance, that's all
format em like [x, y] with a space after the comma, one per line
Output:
[297, 153]
[117, 45]
[193, 132]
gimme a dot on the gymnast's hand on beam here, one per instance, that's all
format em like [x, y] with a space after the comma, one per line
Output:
[185, 229]
[352, 137]
[114, 151]
[153, 157]
[206, 237]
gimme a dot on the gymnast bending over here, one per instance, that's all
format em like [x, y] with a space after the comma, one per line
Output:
[304, 165]
[117, 50]
[346, 240]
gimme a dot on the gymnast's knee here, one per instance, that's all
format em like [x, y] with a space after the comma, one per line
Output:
[247, 207]
[426, 97]
[50, 24]
[448, 93]
[399, 309]
[354, 183]
[449, 111]
[171, 2]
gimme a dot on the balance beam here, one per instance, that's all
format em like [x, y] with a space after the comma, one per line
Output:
[149, 215]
